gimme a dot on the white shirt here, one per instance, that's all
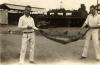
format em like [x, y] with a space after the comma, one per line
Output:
[24, 22]
[93, 21]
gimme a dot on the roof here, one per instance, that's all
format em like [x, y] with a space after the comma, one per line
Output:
[4, 7]
[15, 7]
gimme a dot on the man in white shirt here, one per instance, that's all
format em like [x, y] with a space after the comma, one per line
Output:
[93, 21]
[27, 25]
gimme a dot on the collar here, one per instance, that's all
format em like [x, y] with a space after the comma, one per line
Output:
[26, 16]
[94, 15]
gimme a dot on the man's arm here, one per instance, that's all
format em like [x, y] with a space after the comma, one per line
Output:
[33, 26]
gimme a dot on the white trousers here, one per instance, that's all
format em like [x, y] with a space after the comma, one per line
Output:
[94, 34]
[27, 38]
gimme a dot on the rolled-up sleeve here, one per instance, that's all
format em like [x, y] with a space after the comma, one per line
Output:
[33, 25]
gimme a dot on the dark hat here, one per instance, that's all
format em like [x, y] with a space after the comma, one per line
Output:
[92, 6]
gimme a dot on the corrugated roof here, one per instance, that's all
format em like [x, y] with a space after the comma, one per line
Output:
[4, 7]
[17, 7]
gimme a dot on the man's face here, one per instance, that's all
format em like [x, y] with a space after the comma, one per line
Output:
[93, 11]
[27, 11]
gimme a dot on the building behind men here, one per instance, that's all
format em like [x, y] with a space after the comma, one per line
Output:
[15, 11]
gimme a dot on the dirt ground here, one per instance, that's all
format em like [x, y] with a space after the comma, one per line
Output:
[47, 52]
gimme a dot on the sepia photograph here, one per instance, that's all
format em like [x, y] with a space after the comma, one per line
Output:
[49, 32]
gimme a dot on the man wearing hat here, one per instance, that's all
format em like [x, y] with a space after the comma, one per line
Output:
[93, 22]
[27, 25]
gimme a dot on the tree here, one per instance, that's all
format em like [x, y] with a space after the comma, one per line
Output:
[82, 11]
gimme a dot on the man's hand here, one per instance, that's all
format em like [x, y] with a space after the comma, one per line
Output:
[37, 29]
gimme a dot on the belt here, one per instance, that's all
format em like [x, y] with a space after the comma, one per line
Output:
[27, 32]
[94, 27]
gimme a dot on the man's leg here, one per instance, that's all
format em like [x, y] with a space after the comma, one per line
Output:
[95, 37]
[86, 46]
[32, 44]
[23, 48]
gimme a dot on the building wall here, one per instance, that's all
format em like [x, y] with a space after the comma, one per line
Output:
[3, 17]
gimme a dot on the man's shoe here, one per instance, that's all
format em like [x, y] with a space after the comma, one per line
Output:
[98, 59]
[32, 62]
[83, 57]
